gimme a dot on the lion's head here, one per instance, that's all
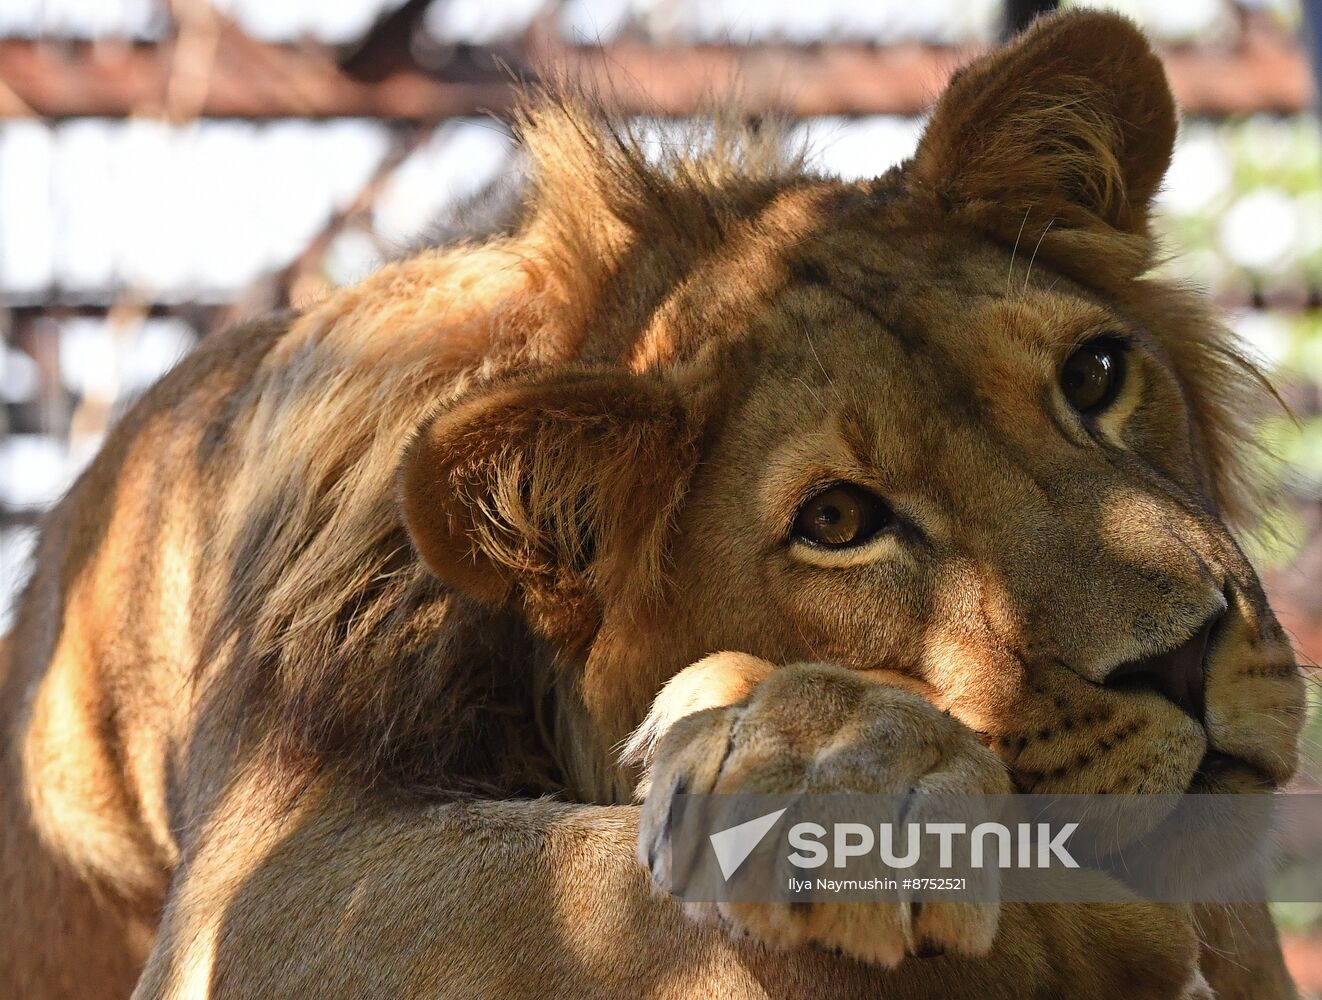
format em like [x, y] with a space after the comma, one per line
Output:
[943, 422]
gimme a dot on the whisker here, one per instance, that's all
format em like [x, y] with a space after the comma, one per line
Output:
[811, 390]
[1009, 275]
[1035, 250]
[818, 358]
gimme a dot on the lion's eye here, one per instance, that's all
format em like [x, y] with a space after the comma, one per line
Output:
[840, 516]
[1092, 376]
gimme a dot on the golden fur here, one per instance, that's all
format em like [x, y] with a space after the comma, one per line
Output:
[348, 591]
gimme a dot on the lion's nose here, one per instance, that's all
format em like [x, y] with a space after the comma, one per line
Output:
[1179, 673]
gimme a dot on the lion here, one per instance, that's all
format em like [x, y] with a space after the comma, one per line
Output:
[321, 682]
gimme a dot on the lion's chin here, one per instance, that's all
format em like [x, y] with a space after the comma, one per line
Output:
[1221, 774]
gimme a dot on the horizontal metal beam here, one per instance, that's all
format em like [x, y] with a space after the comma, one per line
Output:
[1265, 71]
[247, 79]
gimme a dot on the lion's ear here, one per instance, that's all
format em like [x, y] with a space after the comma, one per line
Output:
[1072, 124]
[549, 492]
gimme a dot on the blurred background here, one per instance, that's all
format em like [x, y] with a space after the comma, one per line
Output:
[168, 167]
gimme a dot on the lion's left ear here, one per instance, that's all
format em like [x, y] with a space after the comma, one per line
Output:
[549, 493]
[1073, 124]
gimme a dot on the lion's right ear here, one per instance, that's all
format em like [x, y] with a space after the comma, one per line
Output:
[550, 491]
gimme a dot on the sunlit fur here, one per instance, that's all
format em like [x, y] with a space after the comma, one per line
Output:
[594, 429]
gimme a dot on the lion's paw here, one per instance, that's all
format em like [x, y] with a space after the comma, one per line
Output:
[817, 729]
